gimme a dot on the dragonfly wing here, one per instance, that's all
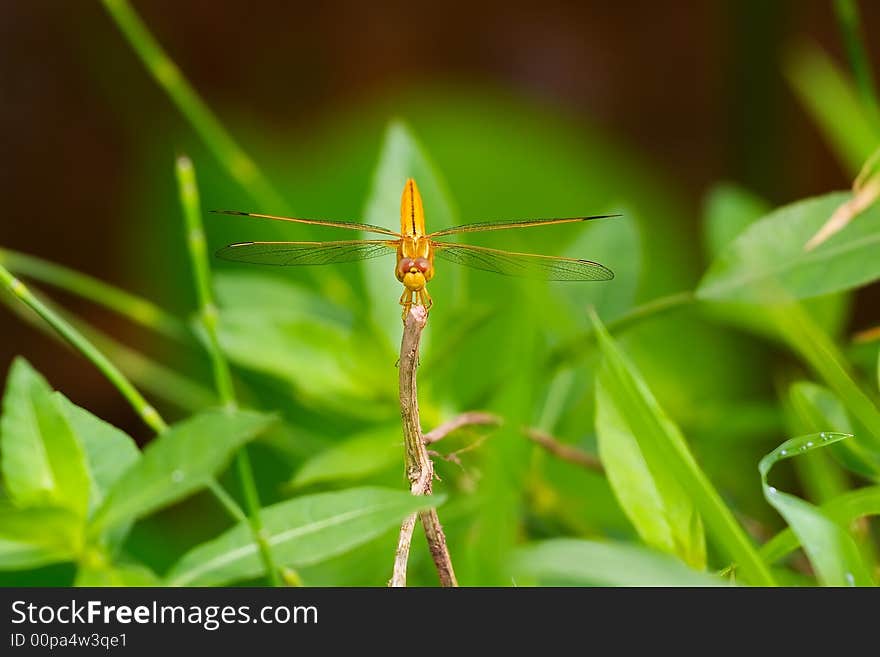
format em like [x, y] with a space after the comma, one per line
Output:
[351, 225]
[306, 253]
[527, 265]
[513, 223]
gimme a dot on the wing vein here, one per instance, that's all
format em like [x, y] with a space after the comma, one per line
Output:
[514, 223]
[331, 223]
[306, 253]
[528, 265]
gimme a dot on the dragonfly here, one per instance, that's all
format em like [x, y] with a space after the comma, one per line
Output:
[416, 249]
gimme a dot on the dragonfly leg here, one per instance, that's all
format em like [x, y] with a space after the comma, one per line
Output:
[425, 298]
[406, 302]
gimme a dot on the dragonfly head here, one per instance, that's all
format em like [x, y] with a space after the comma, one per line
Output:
[414, 272]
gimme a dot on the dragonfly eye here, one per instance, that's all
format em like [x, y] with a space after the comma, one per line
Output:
[422, 264]
[404, 266]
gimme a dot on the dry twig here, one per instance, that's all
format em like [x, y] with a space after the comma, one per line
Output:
[563, 451]
[419, 467]
[458, 422]
[866, 190]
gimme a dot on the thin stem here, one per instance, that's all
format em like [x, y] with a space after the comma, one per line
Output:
[563, 451]
[252, 504]
[196, 245]
[817, 348]
[227, 501]
[401, 555]
[649, 308]
[78, 341]
[230, 155]
[153, 377]
[149, 375]
[133, 307]
[868, 335]
[198, 255]
[144, 410]
[849, 21]
[471, 418]
[419, 467]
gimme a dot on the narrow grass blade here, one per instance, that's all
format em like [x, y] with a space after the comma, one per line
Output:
[667, 450]
[832, 551]
[661, 511]
[197, 248]
[208, 316]
[19, 290]
[237, 163]
[132, 307]
[830, 98]
[820, 352]
[843, 510]
[849, 21]
[151, 376]
[821, 476]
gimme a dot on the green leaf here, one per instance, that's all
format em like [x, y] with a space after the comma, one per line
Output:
[402, 157]
[820, 410]
[301, 532]
[729, 210]
[42, 461]
[666, 451]
[279, 328]
[821, 477]
[831, 550]
[581, 562]
[818, 349]
[36, 536]
[832, 100]
[109, 574]
[767, 263]
[843, 510]
[274, 296]
[109, 451]
[365, 454]
[177, 463]
[655, 503]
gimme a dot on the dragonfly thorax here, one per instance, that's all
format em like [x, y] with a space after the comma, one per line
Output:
[414, 272]
[415, 263]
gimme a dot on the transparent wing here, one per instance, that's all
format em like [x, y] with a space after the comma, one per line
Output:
[527, 265]
[351, 225]
[514, 223]
[306, 253]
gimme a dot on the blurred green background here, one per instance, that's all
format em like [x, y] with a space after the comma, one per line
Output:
[666, 112]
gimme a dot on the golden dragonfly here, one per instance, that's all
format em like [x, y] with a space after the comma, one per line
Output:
[416, 249]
